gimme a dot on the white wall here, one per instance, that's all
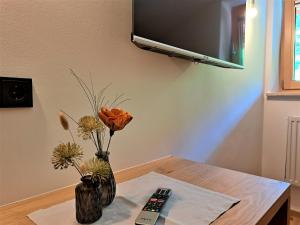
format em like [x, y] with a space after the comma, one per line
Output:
[276, 109]
[200, 112]
[276, 114]
[222, 109]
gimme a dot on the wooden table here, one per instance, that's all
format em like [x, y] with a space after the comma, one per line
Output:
[263, 201]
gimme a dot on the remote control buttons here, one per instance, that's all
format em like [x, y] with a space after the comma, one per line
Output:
[157, 200]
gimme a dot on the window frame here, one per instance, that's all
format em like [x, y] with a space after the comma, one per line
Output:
[288, 47]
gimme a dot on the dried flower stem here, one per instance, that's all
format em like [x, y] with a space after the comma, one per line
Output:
[125, 100]
[100, 97]
[70, 117]
[93, 138]
[94, 97]
[102, 136]
[116, 99]
[94, 141]
[85, 89]
[99, 141]
[71, 135]
[96, 101]
[65, 124]
[77, 167]
[108, 143]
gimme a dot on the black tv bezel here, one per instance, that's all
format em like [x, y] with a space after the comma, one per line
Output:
[201, 59]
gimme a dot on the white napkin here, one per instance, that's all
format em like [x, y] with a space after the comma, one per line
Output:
[188, 204]
[120, 212]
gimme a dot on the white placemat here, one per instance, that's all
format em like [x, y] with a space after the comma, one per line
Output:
[120, 212]
[188, 204]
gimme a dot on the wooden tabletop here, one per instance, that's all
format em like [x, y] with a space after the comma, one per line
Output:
[261, 198]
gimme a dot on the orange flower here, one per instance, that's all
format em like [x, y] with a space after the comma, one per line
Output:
[114, 119]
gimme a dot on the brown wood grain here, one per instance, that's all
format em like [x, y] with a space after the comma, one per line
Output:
[261, 198]
[295, 218]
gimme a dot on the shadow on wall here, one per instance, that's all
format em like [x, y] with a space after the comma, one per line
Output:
[221, 109]
[221, 125]
[237, 150]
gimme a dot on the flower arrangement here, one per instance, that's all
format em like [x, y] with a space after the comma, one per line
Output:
[93, 128]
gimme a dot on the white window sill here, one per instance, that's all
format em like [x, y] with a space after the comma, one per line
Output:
[283, 93]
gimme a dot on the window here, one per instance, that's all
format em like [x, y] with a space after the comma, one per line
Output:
[290, 46]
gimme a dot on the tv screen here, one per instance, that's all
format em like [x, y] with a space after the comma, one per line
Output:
[209, 31]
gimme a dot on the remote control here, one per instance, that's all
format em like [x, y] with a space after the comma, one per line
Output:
[153, 207]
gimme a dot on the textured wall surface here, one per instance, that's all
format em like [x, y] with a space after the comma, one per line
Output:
[276, 109]
[201, 112]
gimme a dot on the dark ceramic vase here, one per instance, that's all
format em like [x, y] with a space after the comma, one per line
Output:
[108, 186]
[88, 201]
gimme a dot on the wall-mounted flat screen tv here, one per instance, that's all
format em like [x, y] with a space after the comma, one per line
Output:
[206, 31]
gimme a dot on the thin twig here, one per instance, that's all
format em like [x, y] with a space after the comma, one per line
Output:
[84, 88]
[91, 80]
[102, 139]
[99, 140]
[71, 135]
[102, 101]
[106, 103]
[94, 97]
[121, 102]
[70, 117]
[77, 167]
[116, 99]
[99, 97]
[90, 94]
[94, 141]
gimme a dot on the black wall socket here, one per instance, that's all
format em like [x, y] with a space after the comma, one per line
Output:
[15, 92]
